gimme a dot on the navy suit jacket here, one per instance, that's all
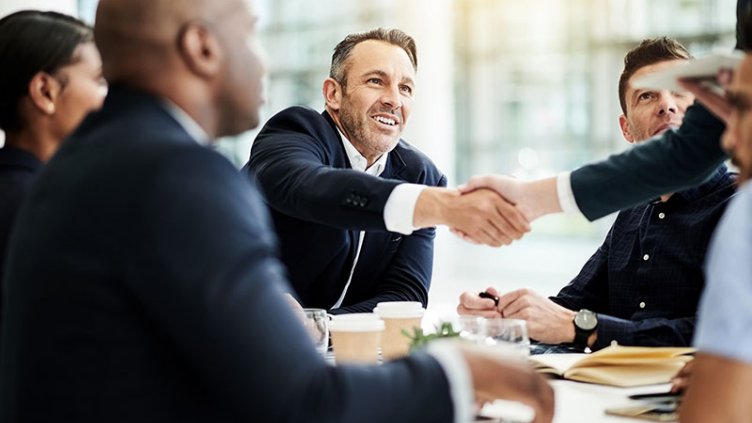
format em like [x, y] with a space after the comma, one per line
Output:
[17, 170]
[143, 286]
[319, 205]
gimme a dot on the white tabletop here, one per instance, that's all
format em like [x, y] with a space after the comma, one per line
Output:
[586, 403]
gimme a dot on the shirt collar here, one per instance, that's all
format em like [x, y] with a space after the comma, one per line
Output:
[358, 162]
[190, 126]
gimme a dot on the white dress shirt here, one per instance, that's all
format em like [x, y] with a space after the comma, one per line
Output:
[566, 195]
[187, 122]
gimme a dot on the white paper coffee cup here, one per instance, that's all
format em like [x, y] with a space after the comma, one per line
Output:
[356, 337]
[398, 316]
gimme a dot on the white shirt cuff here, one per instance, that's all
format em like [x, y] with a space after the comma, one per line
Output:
[565, 194]
[400, 208]
[458, 375]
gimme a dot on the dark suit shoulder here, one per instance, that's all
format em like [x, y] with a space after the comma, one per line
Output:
[418, 167]
[297, 129]
[302, 120]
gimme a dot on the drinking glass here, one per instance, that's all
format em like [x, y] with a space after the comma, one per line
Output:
[503, 335]
[317, 324]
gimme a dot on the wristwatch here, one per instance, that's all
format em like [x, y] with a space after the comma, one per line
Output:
[585, 322]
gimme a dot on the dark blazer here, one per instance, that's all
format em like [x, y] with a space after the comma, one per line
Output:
[319, 205]
[17, 170]
[143, 286]
[671, 162]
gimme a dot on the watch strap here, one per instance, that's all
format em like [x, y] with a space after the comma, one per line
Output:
[581, 337]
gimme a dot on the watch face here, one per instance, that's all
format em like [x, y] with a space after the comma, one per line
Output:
[585, 320]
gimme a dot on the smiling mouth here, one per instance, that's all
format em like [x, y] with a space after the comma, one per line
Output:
[385, 120]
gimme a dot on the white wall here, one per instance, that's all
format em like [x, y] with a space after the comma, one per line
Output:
[63, 6]
[431, 126]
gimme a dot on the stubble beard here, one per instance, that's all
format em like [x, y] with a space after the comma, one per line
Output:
[357, 128]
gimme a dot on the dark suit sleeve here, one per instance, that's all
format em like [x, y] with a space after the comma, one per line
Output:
[671, 162]
[211, 282]
[292, 162]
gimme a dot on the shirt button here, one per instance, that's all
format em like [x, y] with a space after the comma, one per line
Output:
[646, 257]
[642, 304]
[661, 215]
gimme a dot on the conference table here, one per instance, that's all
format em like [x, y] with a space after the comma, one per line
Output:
[586, 402]
[578, 402]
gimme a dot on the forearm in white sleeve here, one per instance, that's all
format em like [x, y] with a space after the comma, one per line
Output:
[400, 208]
[566, 195]
[458, 376]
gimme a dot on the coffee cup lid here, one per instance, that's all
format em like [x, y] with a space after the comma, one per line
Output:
[400, 309]
[356, 322]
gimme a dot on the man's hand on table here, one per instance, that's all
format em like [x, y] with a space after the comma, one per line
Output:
[496, 377]
[547, 321]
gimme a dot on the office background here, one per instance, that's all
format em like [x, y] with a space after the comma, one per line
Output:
[520, 87]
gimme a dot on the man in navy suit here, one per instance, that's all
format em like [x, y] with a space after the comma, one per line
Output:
[142, 280]
[342, 186]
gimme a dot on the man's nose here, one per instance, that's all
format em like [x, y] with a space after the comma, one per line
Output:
[667, 103]
[391, 97]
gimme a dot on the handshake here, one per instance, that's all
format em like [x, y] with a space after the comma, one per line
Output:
[493, 210]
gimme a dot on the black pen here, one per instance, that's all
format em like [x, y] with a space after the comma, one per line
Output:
[485, 294]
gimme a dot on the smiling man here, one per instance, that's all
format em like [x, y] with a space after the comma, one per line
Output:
[347, 194]
[643, 284]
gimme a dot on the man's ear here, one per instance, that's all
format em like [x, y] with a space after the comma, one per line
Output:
[199, 48]
[332, 93]
[44, 91]
[625, 131]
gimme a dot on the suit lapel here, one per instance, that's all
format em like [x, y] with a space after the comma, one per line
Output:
[394, 166]
[336, 139]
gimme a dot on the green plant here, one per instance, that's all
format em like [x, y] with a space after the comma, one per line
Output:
[418, 339]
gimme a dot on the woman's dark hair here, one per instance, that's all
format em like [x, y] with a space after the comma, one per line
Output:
[33, 41]
[744, 25]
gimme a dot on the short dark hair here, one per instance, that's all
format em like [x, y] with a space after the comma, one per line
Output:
[649, 52]
[33, 41]
[343, 50]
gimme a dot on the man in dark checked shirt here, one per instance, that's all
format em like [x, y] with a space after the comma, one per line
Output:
[642, 286]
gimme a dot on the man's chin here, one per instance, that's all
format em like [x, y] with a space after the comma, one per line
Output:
[385, 144]
[663, 129]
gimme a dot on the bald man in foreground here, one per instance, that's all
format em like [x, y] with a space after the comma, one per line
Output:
[143, 283]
